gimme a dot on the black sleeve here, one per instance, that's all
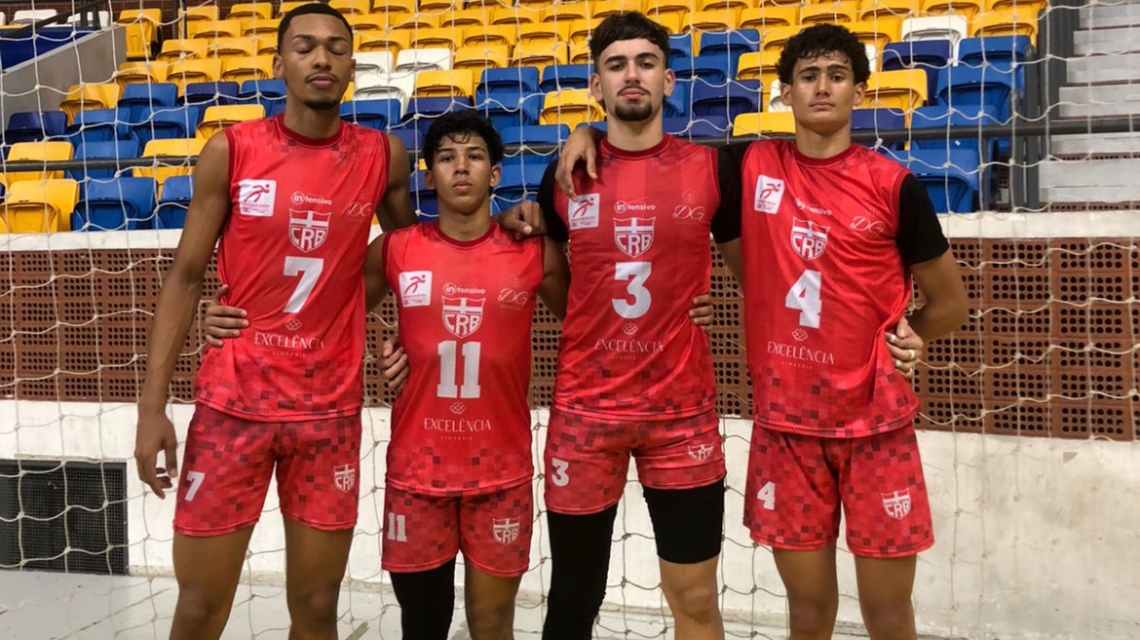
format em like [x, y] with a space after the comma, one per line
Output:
[555, 227]
[920, 236]
[726, 220]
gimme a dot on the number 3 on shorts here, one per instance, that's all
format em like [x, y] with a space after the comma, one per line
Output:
[767, 495]
[560, 479]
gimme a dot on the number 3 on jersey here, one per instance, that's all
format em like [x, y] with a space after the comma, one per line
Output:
[804, 297]
[637, 273]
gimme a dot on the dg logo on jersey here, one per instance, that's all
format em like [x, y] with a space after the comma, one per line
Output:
[308, 229]
[462, 316]
[633, 236]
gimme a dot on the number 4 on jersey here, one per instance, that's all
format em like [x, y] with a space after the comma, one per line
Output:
[804, 297]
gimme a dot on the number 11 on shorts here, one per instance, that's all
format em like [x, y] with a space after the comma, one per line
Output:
[397, 527]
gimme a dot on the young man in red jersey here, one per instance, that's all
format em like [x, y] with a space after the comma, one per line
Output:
[830, 236]
[289, 202]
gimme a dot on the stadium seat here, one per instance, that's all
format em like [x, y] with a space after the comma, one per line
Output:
[773, 98]
[130, 73]
[392, 42]
[570, 107]
[373, 62]
[878, 32]
[565, 12]
[437, 38]
[759, 66]
[1006, 22]
[110, 150]
[493, 35]
[669, 10]
[219, 118]
[541, 54]
[479, 57]
[715, 127]
[416, 21]
[397, 86]
[963, 86]
[176, 50]
[120, 204]
[202, 13]
[951, 177]
[423, 60]
[394, 7]
[137, 96]
[515, 79]
[412, 135]
[713, 69]
[731, 43]
[968, 9]
[715, 20]
[194, 71]
[729, 101]
[1031, 7]
[535, 134]
[351, 7]
[1003, 52]
[929, 55]
[776, 38]
[260, 27]
[941, 117]
[242, 10]
[33, 126]
[768, 16]
[424, 199]
[81, 97]
[677, 103]
[520, 183]
[948, 27]
[175, 200]
[140, 26]
[374, 114]
[41, 151]
[367, 23]
[749, 124]
[509, 16]
[427, 109]
[166, 123]
[544, 32]
[581, 30]
[510, 109]
[231, 47]
[879, 120]
[899, 9]
[470, 17]
[267, 93]
[202, 30]
[831, 12]
[566, 76]
[99, 125]
[177, 148]
[604, 8]
[210, 93]
[904, 90]
[30, 16]
[244, 68]
[39, 206]
[579, 54]
[449, 83]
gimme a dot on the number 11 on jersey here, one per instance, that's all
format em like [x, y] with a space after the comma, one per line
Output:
[804, 297]
[448, 370]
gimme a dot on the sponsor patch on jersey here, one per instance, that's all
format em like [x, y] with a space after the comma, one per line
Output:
[584, 211]
[897, 504]
[257, 197]
[462, 316]
[808, 238]
[415, 288]
[633, 236]
[769, 194]
[308, 229]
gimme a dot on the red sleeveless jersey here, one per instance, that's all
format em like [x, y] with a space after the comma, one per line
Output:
[639, 245]
[824, 281]
[292, 252]
[461, 424]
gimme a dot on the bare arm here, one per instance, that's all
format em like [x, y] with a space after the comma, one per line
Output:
[177, 304]
[733, 257]
[375, 281]
[555, 278]
[582, 145]
[395, 210]
[947, 306]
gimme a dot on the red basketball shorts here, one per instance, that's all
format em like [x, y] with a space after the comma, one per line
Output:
[228, 462]
[797, 483]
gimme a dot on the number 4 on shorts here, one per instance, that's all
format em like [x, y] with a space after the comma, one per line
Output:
[767, 495]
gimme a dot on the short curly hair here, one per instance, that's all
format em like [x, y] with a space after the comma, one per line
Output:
[819, 40]
[459, 125]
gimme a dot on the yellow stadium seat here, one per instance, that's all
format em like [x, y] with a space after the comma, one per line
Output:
[1028, 7]
[260, 27]
[247, 68]
[250, 10]
[140, 72]
[286, 7]
[535, 6]
[479, 57]
[579, 53]
[40, 206]
[140, 26]
[475, 17]
[870, 9]
[541, 54]
[571, 107]
[835, 12]
[514, 16]
[188, 71]
[673, 22]
[878, 33]
[42, 151]
[566, 12]
[717, 20]
[218, 118]
[84, 97]
[968, 9]
[394, 7]
[208, 13]
[656, 8]
[581, 30]
[506, 35]
[265, 45]
[776, 38]
[770, 16]
[445, 84]
[368, 22]
[393, 41]
[349, 92]
[348, 7]
[225, 47]
[169, 148]
[174, 50]
[432, 38]
[418, 21]
[904, 90]
[604, 8]
[758, 66]
[772, 3]
[1005, 23]
[219, 29]
[442, 6]
[547, 32]
[713, 5]
[776, 122]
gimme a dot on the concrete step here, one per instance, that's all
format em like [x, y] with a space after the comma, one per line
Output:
[1086, 143]
[1106, 41]
[1100, 100]
[1090, 180]
[1110, 15]
[1119, 68]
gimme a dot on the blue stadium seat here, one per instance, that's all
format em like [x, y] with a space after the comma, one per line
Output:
[175, 200]
[714, 68]
[210, 93]
[941, 117]
[698, 127]
[930, 55]
[566, 76]
[535, 134]
[733, 43]
[519, 183]
[519, 161]
[424, 199]
[411, 134]
[33, 126]
[951, 178]
[510, 108]
[998, 51]
[162, 123]
[137, 97]
[123, 203]
[731, 100]
[374, 114]
[267, 93]
[433, 107]
[677, 104]
[878, 120]
[962, 86]
[110, 150]
[680, 47]
[510, 79]
[99, 125]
